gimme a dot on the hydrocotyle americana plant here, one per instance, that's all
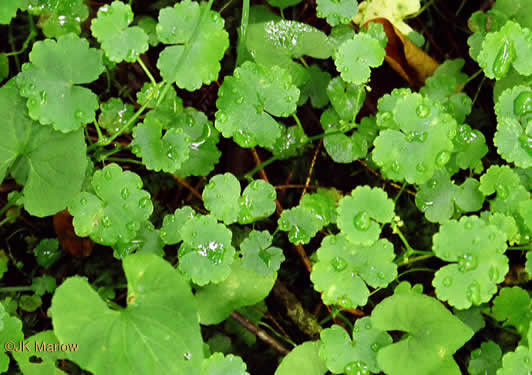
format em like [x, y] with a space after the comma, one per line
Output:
[181, 178]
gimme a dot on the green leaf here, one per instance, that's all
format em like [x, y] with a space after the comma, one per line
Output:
[517, 362]
[485, 360]
[149, 25]
[469, 148]
[59, 17]
[51, 82]
[48, 358]
[518, 10]
[472, 317]
[199, 43]
[116, 210]
[243, 287]
[248, 100]
[290, 143]
[303, 359]
[115, 115]
[8, 10]
[355, 57]
[359, 215]
[147, 240]
[432, 336]
[30, 302]
[172, 224]
[322, 204]
[158, 331]
[418, 140]
[343, 269]
[221, 197]
[10, 331]
[513, 306]
[346, 98]
[51, 165]
[4, 66]
[337, 11]
[119, 41]
[165, 152]
[257, 202]
[300, 223]
[340, 353]
[43, 284]
[283, 3]
[259, 255]
[206, 253]
[477, 248]
[217, 364]
[315, 88]
[509, 47]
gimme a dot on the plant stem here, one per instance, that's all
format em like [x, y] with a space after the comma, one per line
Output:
[415, 259]
[14, 289]
[397, 231]
[399, 193]
[245, 19]
[125, 160]
[294, 116]
[146, 70]
[260, 333]
[31, 36]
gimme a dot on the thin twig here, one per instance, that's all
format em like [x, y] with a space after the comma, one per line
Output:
[259, 332]
[307, 182]
[184, 182]
[397, 186]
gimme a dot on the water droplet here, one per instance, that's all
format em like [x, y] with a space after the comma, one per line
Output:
[447, 281]
[473, 293]
[523, 103]
[493, 274]
[221, 116]
[133, 226]
[362, 221]
[420, 137]
[420, 167]
[475, 241]
[356, 368]
[135, 149]
[443, 158]
[395, 166]
[467, 262]
[367, 325]
[338, 264]
[44, 97]
[386, 116]
[83, 201]
[32, 102]
[492, 236]
[526, 359]
[163, 234]
[143, 203]
[187, 356]
[468, 224]
[526, 143]
[124, 193]
[502, 191]
[107, 222]
[423, 110]
[504, 59]
[78, 115]
[289, 99]
[239, 100]
[381, 275]
[107, 174]
[375, 347]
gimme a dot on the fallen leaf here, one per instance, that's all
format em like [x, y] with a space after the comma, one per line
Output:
[74, 245]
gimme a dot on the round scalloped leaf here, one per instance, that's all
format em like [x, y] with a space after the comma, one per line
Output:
[203, 153]
[346, 98]
[511, 46]
[301, 223]
[303, 359]
[199, 43]
[158, 330]
[206, 253]
[243, 287]
[114, 115]
[259, 255]
[338, 351]
[165, 152]
[469, 148]
[51, 165]
[499, 179]
[477, 248]
[290, 143]
[248, 99]
[257, 202]
[515, 102]
[432, 336]
[58, 18]
[337, 11]
[514, 142]
[150, 94]
[513, 306]
[355, 57]
[8, 10]
[438, 196]
[119, 41]
[322, 203]
[517, 362]
[149, 25]
[50, 82]
[117, 209]
[421, 145]
[340, 147]
[148, 240]
[359, 215]
[221, 197]
[172, 224]
[315, 88]
[343, 269]
[217, 364]
[485, 360]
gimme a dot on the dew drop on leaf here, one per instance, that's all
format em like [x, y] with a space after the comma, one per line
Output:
[467, 262]
[362, 221]
[44, 97]
[473, 293]
[523, 103]
[447, 281]
[502, 191]
[381, 275]
[143, 203]
[83, 201]
[396, 166]
[492, 236]
[239, 100]
[187, 356]
[420, 167]
[526, 143]
[163, 234]
[493, 274]
[356, 368]
[443, 158]
[367, 325]
[423, 110]
[375, 347]
[338, 264]
[133, 226]
[107, 174]
[135, 149]
[78, 115]
[107, 222]
[504, 59]
[124, 193]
